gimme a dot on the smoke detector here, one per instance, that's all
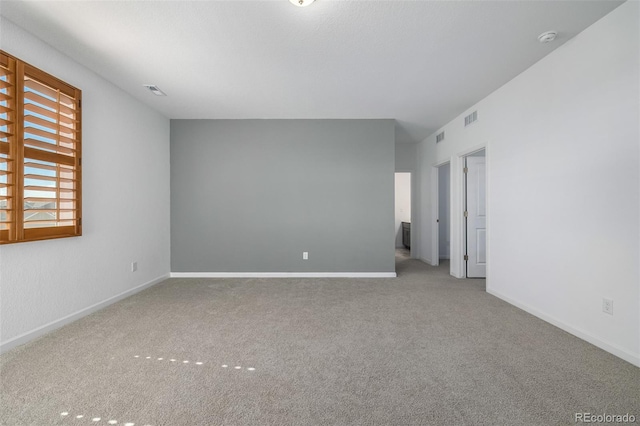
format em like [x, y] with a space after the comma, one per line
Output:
[548, 36]
[301, 3]
[155, 89]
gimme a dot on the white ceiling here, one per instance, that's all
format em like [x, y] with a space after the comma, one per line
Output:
[419, 62]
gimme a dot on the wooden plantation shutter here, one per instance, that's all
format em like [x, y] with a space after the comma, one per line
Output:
[7, 147]
[43, 138]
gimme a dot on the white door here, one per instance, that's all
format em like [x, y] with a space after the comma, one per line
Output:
[476, 213]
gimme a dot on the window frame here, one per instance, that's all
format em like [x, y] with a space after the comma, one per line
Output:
[16, 152]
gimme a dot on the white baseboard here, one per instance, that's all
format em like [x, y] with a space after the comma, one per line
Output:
[44, 329]
[427, 261]
[283, 275]
[596, 341]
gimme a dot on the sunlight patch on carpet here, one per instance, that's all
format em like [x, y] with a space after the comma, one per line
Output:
[66, 414]
[186, 361]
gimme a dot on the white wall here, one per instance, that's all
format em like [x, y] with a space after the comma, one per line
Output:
[563, 185]
[125, 208]
[402, 204]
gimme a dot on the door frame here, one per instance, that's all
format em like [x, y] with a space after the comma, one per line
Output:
[468, 198]
[459, 269]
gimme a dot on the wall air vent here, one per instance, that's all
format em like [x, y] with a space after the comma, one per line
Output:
[155, 89]
[440, 137]
[470, 118]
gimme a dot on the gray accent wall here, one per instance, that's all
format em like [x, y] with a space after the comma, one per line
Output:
[252, 195]
[406, 154]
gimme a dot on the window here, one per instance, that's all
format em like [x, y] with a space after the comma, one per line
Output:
[40, 161]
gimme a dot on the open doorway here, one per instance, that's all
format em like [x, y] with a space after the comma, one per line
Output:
[475, 215]
[403, 212]
[444, 212]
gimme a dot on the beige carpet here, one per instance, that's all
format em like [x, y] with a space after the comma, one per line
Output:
[421, 349]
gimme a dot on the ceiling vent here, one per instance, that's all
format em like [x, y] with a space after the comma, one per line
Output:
[470, 118]
[440, 137]
[155, 89]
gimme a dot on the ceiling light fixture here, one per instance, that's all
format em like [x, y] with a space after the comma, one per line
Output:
[155, 89]
[547, 36]
[301, 3]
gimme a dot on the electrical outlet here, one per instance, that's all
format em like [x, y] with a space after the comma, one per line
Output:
[607, 306]
[305, 255]
[134, 266]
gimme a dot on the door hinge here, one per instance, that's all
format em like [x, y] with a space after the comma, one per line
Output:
[465, 170]
[466, 258]
[466, 214]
